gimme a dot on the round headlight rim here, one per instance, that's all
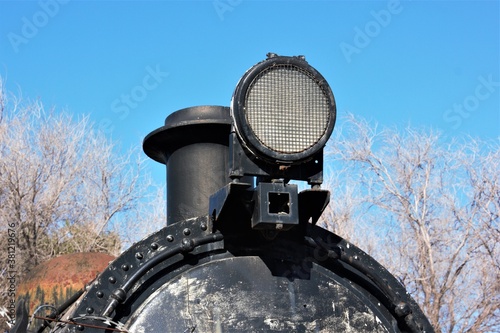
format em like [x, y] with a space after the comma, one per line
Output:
[246, 133]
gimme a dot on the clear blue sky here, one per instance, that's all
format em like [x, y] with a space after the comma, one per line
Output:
[129, 63]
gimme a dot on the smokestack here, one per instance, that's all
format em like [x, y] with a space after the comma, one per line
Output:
[194, 146]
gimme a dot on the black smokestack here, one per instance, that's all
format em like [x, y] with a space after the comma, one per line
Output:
[194, 146]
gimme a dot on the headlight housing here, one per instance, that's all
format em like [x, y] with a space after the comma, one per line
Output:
[283, 110]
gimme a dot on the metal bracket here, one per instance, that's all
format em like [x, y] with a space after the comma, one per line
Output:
[276, 206]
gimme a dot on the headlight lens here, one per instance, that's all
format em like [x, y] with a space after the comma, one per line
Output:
[283, 110]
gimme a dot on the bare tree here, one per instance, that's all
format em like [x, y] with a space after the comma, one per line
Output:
[430, 208]
[63, 188]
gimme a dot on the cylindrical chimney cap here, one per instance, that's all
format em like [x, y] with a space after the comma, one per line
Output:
[188, 126]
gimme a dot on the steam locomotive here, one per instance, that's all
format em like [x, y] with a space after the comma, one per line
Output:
[241, 251]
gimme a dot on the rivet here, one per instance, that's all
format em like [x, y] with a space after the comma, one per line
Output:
[204, 226]
[154, 246]
[139, 255]
[170, 238]
[187, 244]
[90, 310]
[79, 327]
[100, 294]
[402, 309]
[125, 267]
[112, 279]
[186, 232]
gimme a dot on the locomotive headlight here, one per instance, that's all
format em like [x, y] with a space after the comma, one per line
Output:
[283, 110]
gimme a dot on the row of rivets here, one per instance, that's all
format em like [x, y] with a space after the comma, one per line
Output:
[187, 244]
[126, 267]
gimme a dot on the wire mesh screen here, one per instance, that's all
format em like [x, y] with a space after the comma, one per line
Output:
[287, 109]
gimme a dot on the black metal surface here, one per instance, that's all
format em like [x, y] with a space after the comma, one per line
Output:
[241, 294]
[233, 201]
[194, 173]
[312, 203]
[243, 163]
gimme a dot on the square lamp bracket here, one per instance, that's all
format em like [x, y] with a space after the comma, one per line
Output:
[276, 206]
